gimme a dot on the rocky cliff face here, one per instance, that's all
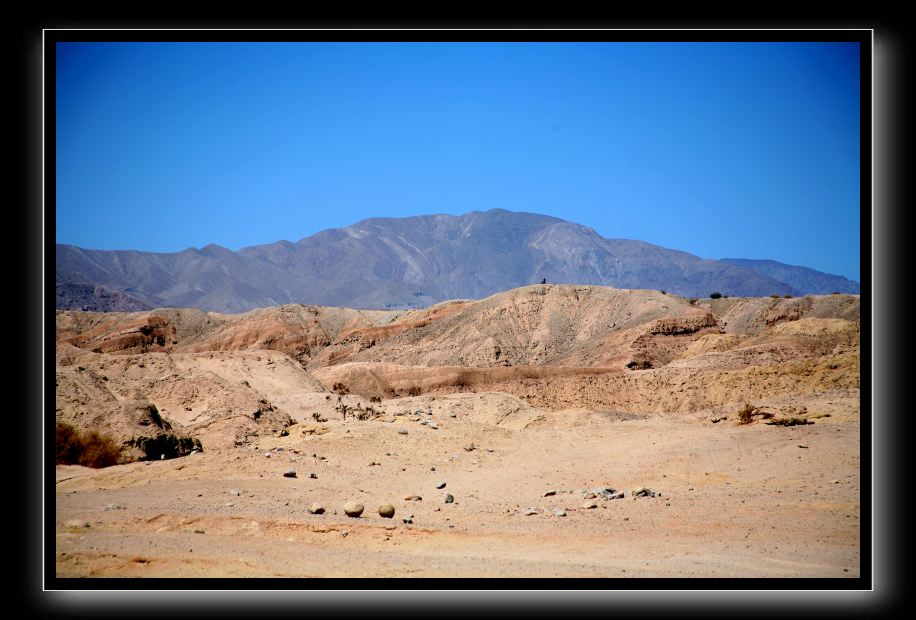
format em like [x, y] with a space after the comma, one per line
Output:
[399, 263]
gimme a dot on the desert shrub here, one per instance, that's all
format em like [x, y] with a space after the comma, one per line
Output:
[775, 295]
[663, 292]
[375, 399]
[92, 449]
[835, 293]
[715, 295]
[414, 390]
[787, 297]
[746, 414]
[340, 388]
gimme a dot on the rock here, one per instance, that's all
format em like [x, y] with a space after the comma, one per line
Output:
[114, 507]
[440, 485]
[453, 415]
[413, 498]
[268, 454]
[402, 431]
[352, 509]
[386, 511]
[531, 511]
[408, 519]
[313, 476]
[608, 493]
[77, 523]
[642, 492]
[590, 496]
[235, 492]
[559, 512]
[289, 473]
[199, 531]
[449, 499]
[589, 505]
[469, 447]
[549, 493]
[432, 469]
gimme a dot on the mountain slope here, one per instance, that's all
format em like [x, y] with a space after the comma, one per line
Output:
[406, 262]
[803, 279]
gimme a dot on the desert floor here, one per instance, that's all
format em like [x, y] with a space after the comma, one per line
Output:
[734, 500]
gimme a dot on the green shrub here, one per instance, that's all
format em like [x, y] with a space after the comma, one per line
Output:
[92, 449]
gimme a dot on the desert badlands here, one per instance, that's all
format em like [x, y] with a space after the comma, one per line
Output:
[549, 430]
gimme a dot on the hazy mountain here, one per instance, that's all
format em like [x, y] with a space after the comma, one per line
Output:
[401, 262]
[803, 279]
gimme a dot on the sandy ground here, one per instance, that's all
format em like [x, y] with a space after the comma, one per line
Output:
[522, 404]
[735, 500]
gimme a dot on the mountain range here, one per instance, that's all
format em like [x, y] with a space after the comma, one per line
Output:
[398, 263]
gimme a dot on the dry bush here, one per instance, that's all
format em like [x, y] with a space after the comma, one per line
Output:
[746, 414]
[414, 390]
[340, 388]
[92, 449]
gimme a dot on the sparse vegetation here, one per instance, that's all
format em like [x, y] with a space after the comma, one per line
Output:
[317, 417]
[92, 449]
[375, 399]
[775, 295]
[787, 297]
[715, 295]
[414, 390]
[340, 388]
[790, 421]
[746, 414]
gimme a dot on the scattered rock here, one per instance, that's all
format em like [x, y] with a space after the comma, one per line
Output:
[289, 473]
[549, 493]
[588, 505]
[608, 493]
[590, 496]
[198, 531]
[531, 511]
[77, 523]
[402, 431]
[408, 519]
[268, 454]
[432, 469]
[313, 476]
[235, 492]
[413, 498]
[469, 447]
[559, 512]
[114, 507]
[449, 498]
[386, 511]
[643, 492]
[440, 485]
[352, 509]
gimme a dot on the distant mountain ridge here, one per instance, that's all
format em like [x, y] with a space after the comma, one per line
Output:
[411, 262]
[803, 279]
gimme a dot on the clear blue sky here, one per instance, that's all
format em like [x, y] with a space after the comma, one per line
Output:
[742, 150]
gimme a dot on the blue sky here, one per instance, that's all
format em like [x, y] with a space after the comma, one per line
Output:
[740, 150]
